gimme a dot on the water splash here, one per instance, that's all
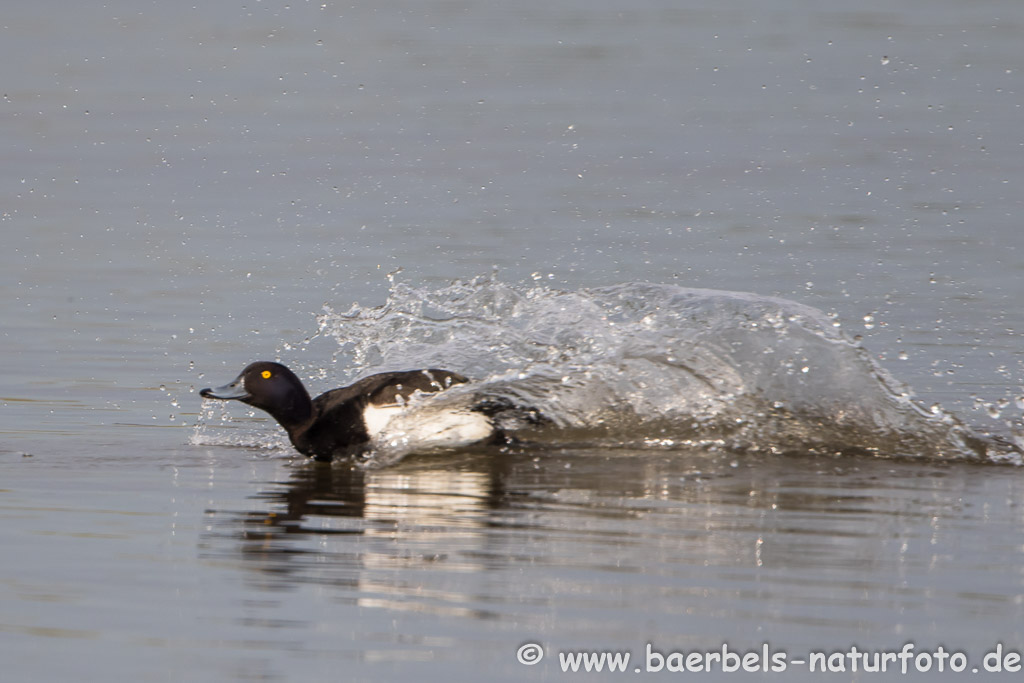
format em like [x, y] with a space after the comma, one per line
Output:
[221, 424]
[646, 365]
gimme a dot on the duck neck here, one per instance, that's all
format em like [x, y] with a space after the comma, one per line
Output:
[296, 413]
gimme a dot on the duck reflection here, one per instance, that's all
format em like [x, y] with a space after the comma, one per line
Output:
[459, 509]
[335, 499]
[488, 535]
[369, 530]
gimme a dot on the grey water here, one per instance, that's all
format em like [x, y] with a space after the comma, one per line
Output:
[188, 188]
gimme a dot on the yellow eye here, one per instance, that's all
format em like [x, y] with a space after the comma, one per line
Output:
[266, 374]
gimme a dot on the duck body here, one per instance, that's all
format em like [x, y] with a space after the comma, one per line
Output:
[342, 422]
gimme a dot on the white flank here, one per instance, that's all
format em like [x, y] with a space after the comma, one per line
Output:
[453, 429]
[377, 417]
[426, 428]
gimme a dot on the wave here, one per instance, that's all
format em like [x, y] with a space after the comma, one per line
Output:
[647, 365]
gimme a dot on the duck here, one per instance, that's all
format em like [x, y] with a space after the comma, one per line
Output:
[341, 423]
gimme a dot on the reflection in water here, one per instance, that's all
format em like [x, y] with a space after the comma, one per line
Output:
[687, 544]
[355, 529]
